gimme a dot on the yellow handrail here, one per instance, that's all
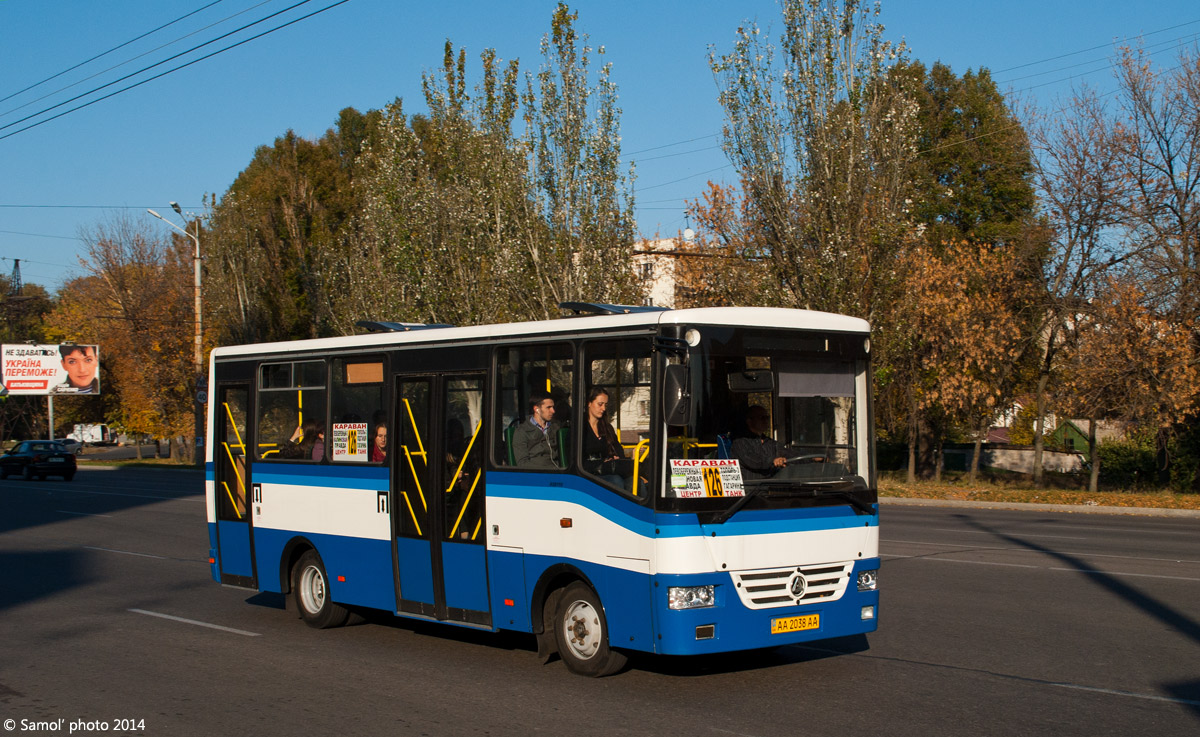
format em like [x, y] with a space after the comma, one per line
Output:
[467, 501]
[420, 445]
[466, 453]
[416, 480]
[232, 500]
[408, 503]
[241, 481]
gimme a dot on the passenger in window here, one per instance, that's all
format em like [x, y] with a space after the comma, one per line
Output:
[318, 442]
[295, 447]
[602, 453]
[535, 441]
[379, 444]
[757, 451]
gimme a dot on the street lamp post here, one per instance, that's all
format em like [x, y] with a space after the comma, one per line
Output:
[198, 354]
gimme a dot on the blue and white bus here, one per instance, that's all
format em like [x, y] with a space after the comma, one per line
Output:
[387, 471]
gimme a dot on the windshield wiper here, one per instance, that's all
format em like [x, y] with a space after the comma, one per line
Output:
[858, 504]
[741, 502]
[789, 486]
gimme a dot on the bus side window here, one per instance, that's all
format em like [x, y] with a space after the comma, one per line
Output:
[291, 411]
[360, 422]
[614, 424]
[521, 373]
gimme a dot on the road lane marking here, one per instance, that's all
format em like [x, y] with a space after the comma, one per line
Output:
[126, 552]
[189, 498]
[1089, 571]
[1120, 573]
[1004, 676]
[1045, 552]
[81, 514]
[985, 532]
[196, 622]
[990, 563]
[197, 497]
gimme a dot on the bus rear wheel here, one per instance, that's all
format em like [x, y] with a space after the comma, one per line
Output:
[582, 633]
[310, 589]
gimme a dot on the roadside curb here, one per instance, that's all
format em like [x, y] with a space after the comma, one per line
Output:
[1031, 506]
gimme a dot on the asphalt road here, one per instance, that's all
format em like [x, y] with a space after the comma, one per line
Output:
[992, 623]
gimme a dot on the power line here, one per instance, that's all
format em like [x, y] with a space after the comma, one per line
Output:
[39, 235]
[1106, 60]
[127, 61]
[160, 63]
[1092, 48]
[97, 207]
[1019, 66]
[31, 261]
[106, 53]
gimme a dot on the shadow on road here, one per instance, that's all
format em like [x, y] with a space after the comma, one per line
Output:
[34, 574]
[1188, 692]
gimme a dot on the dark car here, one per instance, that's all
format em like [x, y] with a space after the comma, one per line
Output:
[37, 459]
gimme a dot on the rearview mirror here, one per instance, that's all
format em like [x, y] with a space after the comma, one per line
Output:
[677, 400]
[752, 380]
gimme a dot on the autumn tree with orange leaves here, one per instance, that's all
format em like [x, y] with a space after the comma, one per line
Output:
[959, 334]
[1129, 363]
[136, 303]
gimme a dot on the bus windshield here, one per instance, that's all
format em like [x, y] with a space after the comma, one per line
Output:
[773, 413]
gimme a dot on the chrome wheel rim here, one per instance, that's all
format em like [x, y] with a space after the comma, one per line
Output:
[581, 625]
[312, 589]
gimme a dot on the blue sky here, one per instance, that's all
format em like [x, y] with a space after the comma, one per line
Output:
[189, 133]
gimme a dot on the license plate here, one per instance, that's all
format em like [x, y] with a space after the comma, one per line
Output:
[56, 460]
[783, 625]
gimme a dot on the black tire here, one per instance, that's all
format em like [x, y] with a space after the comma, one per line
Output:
[3, 472]
[582, 634]
[29, 476]
[68, 476]
[310, 591]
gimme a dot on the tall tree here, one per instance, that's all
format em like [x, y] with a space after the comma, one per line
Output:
[474, 223]
[572, 136]
[822, 140]
[272, 231]
[973, 177]
[136, 302]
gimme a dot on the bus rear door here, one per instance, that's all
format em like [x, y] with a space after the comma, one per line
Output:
[231, 469]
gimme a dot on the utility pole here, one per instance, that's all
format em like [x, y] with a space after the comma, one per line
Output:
[198, 352]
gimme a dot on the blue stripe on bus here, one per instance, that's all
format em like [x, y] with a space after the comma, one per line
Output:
[331, 476]
[643, 521]
[574, 489]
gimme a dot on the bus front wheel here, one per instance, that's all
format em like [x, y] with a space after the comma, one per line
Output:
[310, 589]
[582, 633]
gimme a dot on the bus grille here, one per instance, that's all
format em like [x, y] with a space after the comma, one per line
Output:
[769, 588]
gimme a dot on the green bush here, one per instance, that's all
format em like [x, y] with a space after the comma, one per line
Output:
[1127, 464]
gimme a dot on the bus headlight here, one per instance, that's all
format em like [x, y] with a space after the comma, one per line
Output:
[868, 580]
[690, 597]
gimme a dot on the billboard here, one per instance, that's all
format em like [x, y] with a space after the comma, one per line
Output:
[50, 369]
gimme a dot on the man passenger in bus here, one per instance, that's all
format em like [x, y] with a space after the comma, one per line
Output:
[535, 441]
[757, 451]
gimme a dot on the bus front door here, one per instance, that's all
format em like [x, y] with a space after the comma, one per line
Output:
[441, 562]
[231, 474]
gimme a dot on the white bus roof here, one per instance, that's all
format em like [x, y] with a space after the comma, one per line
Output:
[771, 317]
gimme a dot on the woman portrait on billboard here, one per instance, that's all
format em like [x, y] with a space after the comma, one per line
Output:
[81, 364]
